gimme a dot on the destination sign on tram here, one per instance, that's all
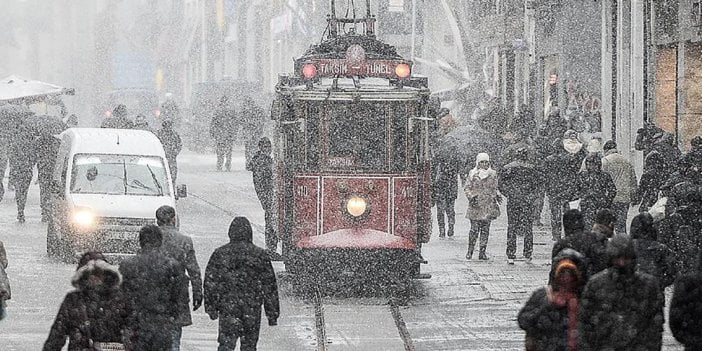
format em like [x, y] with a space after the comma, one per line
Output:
[390, 69]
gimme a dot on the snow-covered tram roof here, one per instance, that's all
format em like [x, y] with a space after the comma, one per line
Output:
[349, 89]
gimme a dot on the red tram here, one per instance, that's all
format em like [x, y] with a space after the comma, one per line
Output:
[353, 172]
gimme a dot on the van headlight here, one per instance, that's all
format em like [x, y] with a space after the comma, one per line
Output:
[83, 217]
[356, 206]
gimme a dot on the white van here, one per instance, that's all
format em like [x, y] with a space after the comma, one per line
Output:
[107, 184]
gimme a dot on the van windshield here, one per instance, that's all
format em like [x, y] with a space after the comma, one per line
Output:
[119, 175]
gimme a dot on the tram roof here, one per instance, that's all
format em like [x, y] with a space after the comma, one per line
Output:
[345, 89]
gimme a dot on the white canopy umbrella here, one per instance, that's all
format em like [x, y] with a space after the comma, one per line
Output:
[18, 88]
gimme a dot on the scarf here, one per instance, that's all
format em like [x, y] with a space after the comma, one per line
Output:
[481, 173]
[572, 146]
[569, 299]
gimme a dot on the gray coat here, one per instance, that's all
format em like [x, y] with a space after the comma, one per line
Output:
[180, 248]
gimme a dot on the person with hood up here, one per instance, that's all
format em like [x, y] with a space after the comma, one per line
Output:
[595, 189]
[654, 258]
[624, 177]
[239, 279]
[153, 283]
[650, 138]
[561, 173]
[518, 181]
[95, 314]
[223, 129]
[622, 308]
[180, 248]
[118, 119]
[686, 308]
[652, 180]
[550, 316]
[445, 175]
[592, 244]
[483, 203]
[172, 145]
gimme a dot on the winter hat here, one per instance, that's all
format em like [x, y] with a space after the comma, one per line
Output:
[620, 246]
[566, 264]
[240, 230]
[609, 145]
[570, 134]
[642, 227]
[89, 256]
[481, 157]
[110, 274]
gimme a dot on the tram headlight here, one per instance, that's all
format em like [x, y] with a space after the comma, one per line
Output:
[403, 70]
[356, 206]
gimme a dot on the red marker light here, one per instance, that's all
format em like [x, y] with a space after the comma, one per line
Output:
[157, 113]
[402, 70]
[309, 71]
[108, 113]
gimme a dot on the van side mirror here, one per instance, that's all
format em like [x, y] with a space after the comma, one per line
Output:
[181, 191]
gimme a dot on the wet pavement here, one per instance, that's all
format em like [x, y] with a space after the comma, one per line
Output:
[466, 305]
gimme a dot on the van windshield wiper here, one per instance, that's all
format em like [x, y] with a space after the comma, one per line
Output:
[153, 176]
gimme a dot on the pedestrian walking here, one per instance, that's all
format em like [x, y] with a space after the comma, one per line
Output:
[591, 243]
[654, 176]
[180, 248]
[47, 148]
[153, 283]
[652, 138]
[445, 190]
[550, 316]
[686, 306]
[223, 130]
[172, 145]
[239, 279]
[483, 203]
[595, 189]
[518, 181]
[622, 308]
[119, 119]
[169, 109]
[624, 177]
[653, 257]
[22, 161]
[96, 315]
[561, 174]
[261, 166]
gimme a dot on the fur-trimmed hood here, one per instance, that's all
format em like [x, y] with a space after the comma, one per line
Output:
[111, 277]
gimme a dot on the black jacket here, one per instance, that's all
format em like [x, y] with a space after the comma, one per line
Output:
[153, 283]
[180, 248]
[596, 190]
[46, 149]
[224, 125]
[652, 180]
[261, 165]
[445, 172]
[172, 144]
[589, 243]
[686, 309]
[519, 181]
[102, 315]
[545, 323]
[561, 173]
[621, 311]
[239, 277]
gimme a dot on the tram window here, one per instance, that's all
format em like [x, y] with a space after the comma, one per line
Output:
[357, 137]
[312, 136]
[400, 116]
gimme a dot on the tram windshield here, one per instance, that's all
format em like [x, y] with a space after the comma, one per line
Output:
[360, 136]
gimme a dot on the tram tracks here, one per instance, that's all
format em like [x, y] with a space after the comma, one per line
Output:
[323, 342]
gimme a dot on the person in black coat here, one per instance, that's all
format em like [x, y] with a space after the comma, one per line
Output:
[239, 279]
[595, 189]
[445, 169]
[518, 181]
[591, 243]
[97, 311]
[654, 176]
[153, 284]
[561, 173]
[686, 308]
[172, 145]
[180, 248]
[653, 257]
[261, 165]
[22, 161]
[46, 148]
[223, 129]
[622, 308]
[119, 119]
[550, 317]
